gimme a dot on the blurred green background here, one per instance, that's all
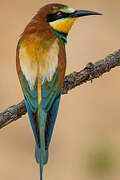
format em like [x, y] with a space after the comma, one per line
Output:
[86, 139]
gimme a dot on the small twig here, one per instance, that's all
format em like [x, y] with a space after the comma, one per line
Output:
[90, 72]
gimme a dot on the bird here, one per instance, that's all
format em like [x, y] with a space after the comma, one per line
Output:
[41, 66]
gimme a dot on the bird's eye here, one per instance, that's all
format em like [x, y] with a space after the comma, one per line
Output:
[59, 14]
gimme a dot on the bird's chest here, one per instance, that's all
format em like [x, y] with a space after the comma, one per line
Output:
[39, 61]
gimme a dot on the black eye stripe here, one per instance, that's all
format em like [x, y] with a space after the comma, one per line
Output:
[53, 17]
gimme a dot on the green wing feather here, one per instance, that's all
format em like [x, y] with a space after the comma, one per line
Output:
[50, 103]
[31, 105]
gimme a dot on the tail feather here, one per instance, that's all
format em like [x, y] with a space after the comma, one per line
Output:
[37, 155]
[41, 164]
[41, 159]
[40, 153]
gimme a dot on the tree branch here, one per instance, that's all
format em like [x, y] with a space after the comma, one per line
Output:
[90, 72]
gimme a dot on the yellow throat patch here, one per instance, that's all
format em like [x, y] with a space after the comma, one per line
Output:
[63, 25]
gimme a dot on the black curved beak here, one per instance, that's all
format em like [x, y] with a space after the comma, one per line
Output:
[80, 13]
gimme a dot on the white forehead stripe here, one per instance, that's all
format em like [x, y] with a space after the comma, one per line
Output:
[71, 9]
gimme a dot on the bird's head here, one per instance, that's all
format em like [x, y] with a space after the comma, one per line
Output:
[61, 18]
[57, 17]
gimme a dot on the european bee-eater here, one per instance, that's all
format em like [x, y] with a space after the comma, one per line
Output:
[41, 64]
